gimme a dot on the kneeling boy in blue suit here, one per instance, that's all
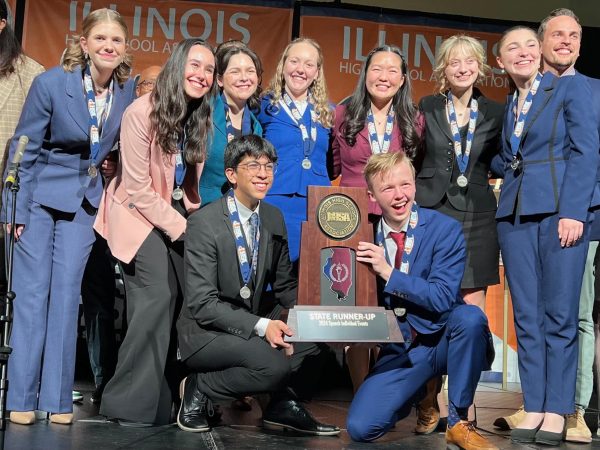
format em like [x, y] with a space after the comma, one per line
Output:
[419, 257]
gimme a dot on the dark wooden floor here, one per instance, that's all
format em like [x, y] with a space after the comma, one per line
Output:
[241, 430]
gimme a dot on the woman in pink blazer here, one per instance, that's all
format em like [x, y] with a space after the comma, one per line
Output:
[378, 117]
[143, 219]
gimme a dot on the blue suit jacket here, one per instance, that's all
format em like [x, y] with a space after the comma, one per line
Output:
[595, 87]
[54, 170]
[431, 289]
[213, 174]
[559, 148]
[281, 130]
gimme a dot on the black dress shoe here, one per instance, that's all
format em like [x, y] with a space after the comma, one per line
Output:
[291, 415]
[96, 397]
[548, 438]
[524, 435]
[193, 412]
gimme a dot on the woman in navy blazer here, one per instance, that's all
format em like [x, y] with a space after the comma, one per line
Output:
[239, 73]
[56, 206]
[548, 162]
[297, 98]
[379, 117]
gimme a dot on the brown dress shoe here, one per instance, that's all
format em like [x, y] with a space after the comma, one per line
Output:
[428, 410]
[22, 417]
[465, 436]
[510, 422]
[62, 419]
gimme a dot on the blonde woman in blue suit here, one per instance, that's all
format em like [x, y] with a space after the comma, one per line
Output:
[548, 161]
[72, 117]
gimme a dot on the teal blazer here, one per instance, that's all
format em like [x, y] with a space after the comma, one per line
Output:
[213, 178]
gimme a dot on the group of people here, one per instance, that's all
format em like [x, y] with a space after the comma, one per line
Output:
[198, 188]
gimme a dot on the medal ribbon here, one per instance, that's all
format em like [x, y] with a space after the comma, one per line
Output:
[241, 242]
[515, 139]
[94, 125]
[462, 159]
[246, 124]
[409, 242]
[180, 165]
[308, 141]
[376, 147]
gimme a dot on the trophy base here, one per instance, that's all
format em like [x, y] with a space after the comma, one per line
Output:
[343, 324]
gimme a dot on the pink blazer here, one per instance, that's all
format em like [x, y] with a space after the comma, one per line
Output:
[138, 199]
[349, 162]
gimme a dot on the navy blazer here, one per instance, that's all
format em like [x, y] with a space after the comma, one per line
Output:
[213, 173]
[431, 289]
[285, 135]
[559, 148]
[595, 87]
[55, 118]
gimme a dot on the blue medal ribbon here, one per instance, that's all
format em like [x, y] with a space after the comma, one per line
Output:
[409, 242]
[180, 165]
[515, 139]
[241, 242]
[307, 139]
[376, 147]
[94, 123]
[246, 123]
[462, 158]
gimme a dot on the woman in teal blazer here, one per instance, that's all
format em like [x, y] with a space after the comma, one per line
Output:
[239, 73]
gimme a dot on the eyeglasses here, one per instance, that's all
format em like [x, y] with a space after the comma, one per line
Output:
[253, 168]
[147, 83]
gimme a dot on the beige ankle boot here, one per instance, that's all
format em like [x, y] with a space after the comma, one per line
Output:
[22, 417]
[62, 419]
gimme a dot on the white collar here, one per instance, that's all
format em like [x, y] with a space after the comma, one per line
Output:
[243, 211]
[387, 229]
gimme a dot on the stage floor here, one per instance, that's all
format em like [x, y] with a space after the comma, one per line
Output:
[241, 430]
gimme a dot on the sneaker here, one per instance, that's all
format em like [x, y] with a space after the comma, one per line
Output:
[465, 436]
[577, 429]
[77, 397]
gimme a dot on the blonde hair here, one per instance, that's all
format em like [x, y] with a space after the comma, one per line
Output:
[382, 163]
[470, 46]
[74, 56]
[318, 88]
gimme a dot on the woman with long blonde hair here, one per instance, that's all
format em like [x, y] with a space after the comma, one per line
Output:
[296, 117]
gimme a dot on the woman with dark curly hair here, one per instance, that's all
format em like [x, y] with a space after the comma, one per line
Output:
[379, 116]
[143, 218]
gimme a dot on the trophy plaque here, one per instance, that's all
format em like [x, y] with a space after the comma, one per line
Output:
[337, 295]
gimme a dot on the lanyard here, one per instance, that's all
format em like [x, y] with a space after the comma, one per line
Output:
[515, 139]
[180, 165]
[376, 147]
[308, 140]
[462, 159]
[246, 125]
[241, 242]
[409, 242]
[94, 124]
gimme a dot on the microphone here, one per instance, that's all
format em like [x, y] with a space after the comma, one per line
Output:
[13, 167]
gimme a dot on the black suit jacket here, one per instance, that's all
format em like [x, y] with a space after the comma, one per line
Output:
[212, 303]
[439, 170]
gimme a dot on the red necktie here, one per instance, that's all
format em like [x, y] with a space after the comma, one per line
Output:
[398, 237]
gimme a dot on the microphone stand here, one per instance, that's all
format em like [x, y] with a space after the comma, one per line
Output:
[6, 317]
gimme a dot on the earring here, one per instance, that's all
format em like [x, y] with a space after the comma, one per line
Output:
[86, 56]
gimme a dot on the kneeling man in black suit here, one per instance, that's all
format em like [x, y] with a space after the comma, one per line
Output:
[229, 330]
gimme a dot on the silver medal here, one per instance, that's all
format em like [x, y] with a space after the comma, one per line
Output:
[515, 164]
[462, 181]
[306, 164]
[92, 171]
[177, 194]
[245, 292]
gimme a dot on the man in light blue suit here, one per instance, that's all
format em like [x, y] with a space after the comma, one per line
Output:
[419, 261]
